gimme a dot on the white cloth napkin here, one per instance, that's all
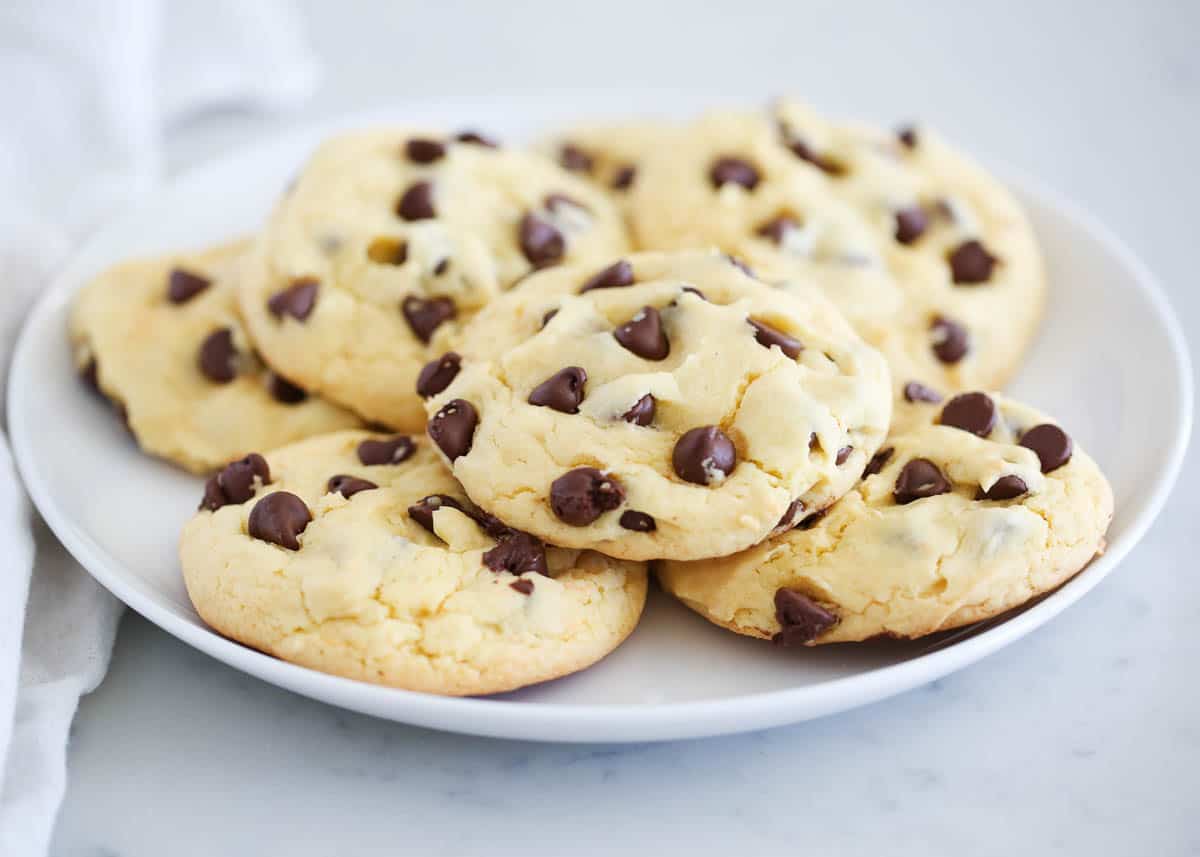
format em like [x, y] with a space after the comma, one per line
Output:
[89, 90]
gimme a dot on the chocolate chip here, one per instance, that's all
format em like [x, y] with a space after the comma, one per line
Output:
[801, 620]
[915, 391]
[810, 521]
[348, 486]
[441, 267]
[541, 242]
[422, 511]
[393, 450]
[560, 203]
[424, 151]
[234, 483]
[297, 300]
[918, 479]
[183, 285]
[387, 251]
[1052, 445]
[624, 176]
[518, 554]
[218, 358]
[777, 228]
[789, 515]
[911, 224]
[692, 290]
[574, 158]
[283, 390]
[644, 336]
[878, 461]
[639, 522]
[907, 135]
[1004, 488]
[642, 412]
[424, 316]
[491, 525]
[90, 375]
[842, 455]
[615, 276]
[562, 391]
[453, 428]
[524, 586]
[278, 518]
[550, 313]
[417, 202]
[733, 171]
[582, 495]
[814, 443]
[971, 263]
[436, 375]
[704, 455]
[950, 339]
[739, 264]
[476, 138]
[825, 164]
[768, 336]
[973, 412]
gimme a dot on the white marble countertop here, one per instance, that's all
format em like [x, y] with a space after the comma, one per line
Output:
[1083, 738]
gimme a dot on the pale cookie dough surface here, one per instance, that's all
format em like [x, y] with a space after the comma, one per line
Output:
[609, 155]
[372, 595]
[828, 218]
[801, 425]
[873, 566]
[400, 237]
[144, 352]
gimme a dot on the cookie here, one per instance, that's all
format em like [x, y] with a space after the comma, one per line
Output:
[163, 340]
[927, 255]
[609, 155]
[358, 554]
[390, 240]
[975, 505]
[663, 405]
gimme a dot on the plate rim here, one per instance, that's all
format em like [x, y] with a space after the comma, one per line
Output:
[590, 722]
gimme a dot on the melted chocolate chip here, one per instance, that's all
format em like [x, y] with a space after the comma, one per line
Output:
[951, 342]
[217, 358]
[541, 242]
[915, 391]
[971, 263]
[520, 553]
[348, 486]
[642, 412]
[235, 482]
[562, 391]
[297, 300]
[907, 136]
[393, 450]
[283, 390]
[777, 228]
[615, 276]
[788, 519]
[436, 375]
[422, 511]
[183, 285]
[911, 224]
[644, 335]
[424, 316]
[810, 521]
[918, 479]
[417, 202]
[878, 461]
[825, 164]
[842, 455]
[575, 159]
[424, 151]
[704, 455]
[279, 518]
[1004, 488]
[733, 171]
[639, 522]
[973, 412]
[768, 336]
[582, 495]
[623, 177]
[1052, 445]
[550, 313]
[524, 586]
[453, 428]
[801, 620]
[476, 138]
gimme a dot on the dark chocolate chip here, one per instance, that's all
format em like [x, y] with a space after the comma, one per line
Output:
[842, 455]
[550, 313]
[814, 443]
[387, 251]
[541, 242]
[441, 267]
[801, 620]
[911, 224]
[90, 375]
[971, 263]
[417, 202]
[642, 412]
[348, 486]
[777, 228]
[524, 586]
[283, 390]
[704, 455]
[624, 176]
[768, 336]
[1052, 445]
[810, 521]
[729, 170]
[476, 138]
[692, 290]
[235, 482]
[562, 391]
[878, 461]
[951, 342]
[214, 497]
[825, 164]
[973, 412]
[297, 300]
[915, 391]
[918, 479]
[453, 428]
[436, 375]
[422, 511]
[217, 358]
[518, 554]
[278, 518]
[582, 495]
[424, 151]
[788, 519]
[1004, 488]
[739, 264]
[574, 158]
[183, 285]
[907, 135]
[393, 450]
[644, 335]
[615, 276]
[425, 315]
[639, 522]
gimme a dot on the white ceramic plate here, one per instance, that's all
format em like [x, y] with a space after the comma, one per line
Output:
[119, 512]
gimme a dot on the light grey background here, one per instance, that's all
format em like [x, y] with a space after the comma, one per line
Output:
[1082, 739]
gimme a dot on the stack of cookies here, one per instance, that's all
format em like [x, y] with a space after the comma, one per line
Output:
[457, 399]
